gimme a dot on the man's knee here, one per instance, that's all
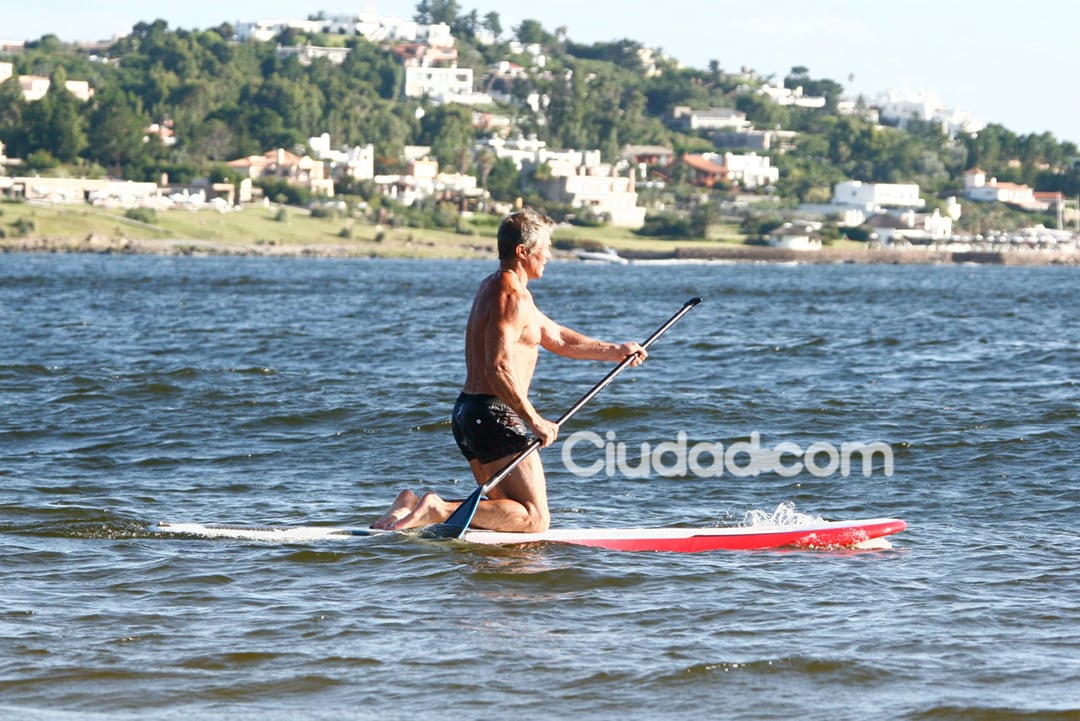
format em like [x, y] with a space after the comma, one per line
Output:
[539, 520]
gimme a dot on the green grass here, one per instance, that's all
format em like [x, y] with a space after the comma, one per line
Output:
[622, 239]
[267, 229]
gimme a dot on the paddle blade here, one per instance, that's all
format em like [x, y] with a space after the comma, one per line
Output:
[440, 531]
[458, 522]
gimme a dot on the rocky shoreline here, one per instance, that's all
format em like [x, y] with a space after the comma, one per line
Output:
[891, 256]
[128, 246]
[734, 253]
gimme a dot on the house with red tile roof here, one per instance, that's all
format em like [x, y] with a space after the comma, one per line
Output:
[980, 188]
[702, 171]
[296, 170]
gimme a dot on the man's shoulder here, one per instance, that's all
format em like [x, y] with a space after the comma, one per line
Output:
[504, 293]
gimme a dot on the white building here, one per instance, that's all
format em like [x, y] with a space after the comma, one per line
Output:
[34, 87]
[79, 190]
[568, 162]
[711, 119]
[601, 194]
[764, 140]
[795, 236]
[858, 109]
[309, 53]
[357, 162]
[377, 29]
[750, 170]
[366, 24]
[899, 107]
[266, 30]
[423, 179]
[989, 190]
[873, 197]
[579, 178]
[443, 85]
[787, 96]
[520, 150]
[437, 35]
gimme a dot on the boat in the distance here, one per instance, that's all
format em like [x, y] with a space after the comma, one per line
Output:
[607, 255]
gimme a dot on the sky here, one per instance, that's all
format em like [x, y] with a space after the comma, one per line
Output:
[1003, 62]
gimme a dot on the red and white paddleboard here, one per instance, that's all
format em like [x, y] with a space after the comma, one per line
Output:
[817, 535]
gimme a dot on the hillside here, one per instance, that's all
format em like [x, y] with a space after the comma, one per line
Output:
[221, 98]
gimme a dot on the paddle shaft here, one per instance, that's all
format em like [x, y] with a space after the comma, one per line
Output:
[623, 364]
[460, 519]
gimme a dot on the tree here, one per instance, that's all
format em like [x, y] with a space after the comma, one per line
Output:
[763, 112]
[492, 24]
[12, 118]
[233, 99]
[432, 12]
[467, 25]
[531, 31]
[213, 140]
[116, 132]
[55, 123]
[485, 161]
[448, 130]
[504, 181]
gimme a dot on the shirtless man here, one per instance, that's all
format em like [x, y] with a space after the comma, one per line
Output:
[493, 415]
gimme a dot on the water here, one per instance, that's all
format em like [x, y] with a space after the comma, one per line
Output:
[138, 389]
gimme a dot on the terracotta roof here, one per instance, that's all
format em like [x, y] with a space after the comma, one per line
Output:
[706, 166]
[267, 158]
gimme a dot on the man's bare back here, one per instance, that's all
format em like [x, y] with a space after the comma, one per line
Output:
[493, 414]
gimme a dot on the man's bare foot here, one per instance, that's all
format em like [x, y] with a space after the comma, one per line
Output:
[430, 509]
[401, 507]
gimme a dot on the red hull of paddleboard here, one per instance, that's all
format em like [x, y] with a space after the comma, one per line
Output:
[837, 534]
[821, 535]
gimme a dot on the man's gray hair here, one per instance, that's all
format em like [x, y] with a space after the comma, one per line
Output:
[525, 228]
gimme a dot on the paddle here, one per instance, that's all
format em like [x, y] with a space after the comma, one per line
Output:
[458, 522]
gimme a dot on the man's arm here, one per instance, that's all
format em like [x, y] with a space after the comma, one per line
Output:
[578, 346]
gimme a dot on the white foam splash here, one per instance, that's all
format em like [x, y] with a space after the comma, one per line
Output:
[873, 544]
[785, 516]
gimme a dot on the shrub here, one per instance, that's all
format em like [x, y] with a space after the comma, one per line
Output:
[41, 160]
[666, 225]
[282, 192]
[589, 219]
[141, 215]
[860, 233]
[23, 226]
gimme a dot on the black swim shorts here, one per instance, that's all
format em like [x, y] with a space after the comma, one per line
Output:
[487, 429]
